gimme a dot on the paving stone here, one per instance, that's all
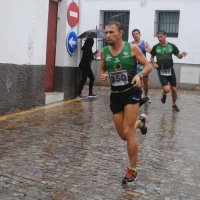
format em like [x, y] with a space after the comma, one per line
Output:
[71, 151]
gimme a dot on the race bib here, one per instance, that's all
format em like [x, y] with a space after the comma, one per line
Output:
[166, 72]
[118, 78]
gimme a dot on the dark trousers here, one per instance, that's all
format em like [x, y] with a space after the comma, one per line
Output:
[84, 75]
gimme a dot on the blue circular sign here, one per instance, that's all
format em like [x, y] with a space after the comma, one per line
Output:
[71, 42]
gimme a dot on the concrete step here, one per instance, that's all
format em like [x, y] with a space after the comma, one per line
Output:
[53, 97]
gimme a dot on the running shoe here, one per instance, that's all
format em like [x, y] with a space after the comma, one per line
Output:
[130, 176]
[163, 98]
[144, 100]
[175, 108]
[149, 100]
[92, 95]
[143, 119]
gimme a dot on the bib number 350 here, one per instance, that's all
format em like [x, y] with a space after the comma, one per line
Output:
[119, 78]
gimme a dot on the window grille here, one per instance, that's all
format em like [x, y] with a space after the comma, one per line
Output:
[120, 16]
[168, 21]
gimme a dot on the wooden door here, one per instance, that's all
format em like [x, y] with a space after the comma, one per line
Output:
[51, 45]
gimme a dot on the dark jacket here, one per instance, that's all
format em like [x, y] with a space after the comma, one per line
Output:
[86, 58]
[87, 55]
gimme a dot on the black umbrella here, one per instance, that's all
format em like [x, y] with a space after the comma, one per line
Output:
[94, 33]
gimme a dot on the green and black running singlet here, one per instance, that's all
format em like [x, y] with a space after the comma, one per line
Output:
[164, 57]
[121, 68]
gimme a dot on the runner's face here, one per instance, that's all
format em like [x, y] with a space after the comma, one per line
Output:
[136, 35]
[162, 38]
[113, 34]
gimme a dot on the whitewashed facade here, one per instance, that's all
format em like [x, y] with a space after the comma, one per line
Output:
[24, 31]
[142, 16]
[23, 39]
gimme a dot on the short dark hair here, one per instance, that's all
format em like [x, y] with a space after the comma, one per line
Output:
[116, 23]
[136, 30]
[162, 32]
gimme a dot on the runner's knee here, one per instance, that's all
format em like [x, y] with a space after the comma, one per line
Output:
[123, 137]
[166, 90]
[128, 132]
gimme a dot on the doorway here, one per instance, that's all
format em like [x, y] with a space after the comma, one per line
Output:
[51, 46]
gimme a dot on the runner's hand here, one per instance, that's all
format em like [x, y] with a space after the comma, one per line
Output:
[155, 65]
[136, 81]
[103, 76]
[147, 49]
[184, 54]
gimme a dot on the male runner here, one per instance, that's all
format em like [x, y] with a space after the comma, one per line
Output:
[163, 52]
[145, 47]
[119, 58]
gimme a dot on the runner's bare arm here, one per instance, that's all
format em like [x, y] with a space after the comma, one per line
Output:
[181, 55]
[147, 47]
[153, 62]
[135, 51]
[103, 75]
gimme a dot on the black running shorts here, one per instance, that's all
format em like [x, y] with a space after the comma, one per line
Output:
[119, 100]
[164, 80]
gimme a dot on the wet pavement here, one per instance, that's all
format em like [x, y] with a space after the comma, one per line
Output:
[70, 151]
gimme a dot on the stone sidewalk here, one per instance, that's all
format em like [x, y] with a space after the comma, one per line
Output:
[70, 151]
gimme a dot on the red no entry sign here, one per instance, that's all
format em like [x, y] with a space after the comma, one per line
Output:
[73, 14]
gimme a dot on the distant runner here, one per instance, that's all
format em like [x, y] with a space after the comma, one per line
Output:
[145, 47]
[164, 65]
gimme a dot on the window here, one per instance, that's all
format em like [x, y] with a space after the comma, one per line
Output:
[168, 21]
[120, 16]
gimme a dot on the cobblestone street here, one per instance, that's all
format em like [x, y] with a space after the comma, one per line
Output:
[70, 151]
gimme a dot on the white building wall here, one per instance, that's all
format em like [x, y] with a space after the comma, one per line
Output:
[63, 58]
[23, 40]
[142, 15]
[66, 72]
[23, 32]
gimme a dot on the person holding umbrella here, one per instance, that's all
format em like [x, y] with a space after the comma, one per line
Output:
[85, 66]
